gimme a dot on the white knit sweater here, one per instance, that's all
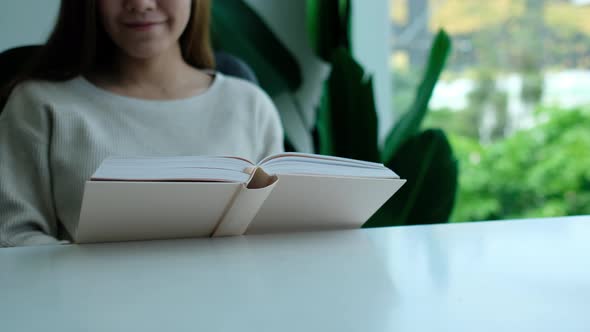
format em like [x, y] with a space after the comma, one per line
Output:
[54, 135]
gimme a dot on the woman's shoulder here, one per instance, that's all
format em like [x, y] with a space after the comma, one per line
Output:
[32, 98]
[240, 88]
[35, 89]
[28, 103]
[240, 92]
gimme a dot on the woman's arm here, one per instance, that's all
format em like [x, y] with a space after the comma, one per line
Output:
[27, 215]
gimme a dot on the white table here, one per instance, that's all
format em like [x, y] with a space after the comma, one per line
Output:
[502, 276]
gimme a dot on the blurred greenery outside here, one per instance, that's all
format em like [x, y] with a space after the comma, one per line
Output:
[523, 147]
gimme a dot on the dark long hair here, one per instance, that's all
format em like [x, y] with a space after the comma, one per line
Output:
[79, 44]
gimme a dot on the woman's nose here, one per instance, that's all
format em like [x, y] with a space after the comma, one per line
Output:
[140, 6]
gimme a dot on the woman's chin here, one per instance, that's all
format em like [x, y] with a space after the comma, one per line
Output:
[147, 53]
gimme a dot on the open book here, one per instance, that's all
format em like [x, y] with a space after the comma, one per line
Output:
[143, 198]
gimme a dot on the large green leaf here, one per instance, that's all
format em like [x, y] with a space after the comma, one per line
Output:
[410, 122]
[427, 162]
[347, 122]
[328, 25]
[324, 143]
[237, 29]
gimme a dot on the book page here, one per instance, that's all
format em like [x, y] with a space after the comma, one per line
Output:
[183, 168]
[316, 158]
[308, 164]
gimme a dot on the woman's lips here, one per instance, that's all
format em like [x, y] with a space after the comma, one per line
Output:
[141, 26]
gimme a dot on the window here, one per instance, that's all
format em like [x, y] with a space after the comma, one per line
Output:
[514, 100]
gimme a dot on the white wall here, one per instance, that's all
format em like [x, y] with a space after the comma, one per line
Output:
[24, 22]
[371, 37]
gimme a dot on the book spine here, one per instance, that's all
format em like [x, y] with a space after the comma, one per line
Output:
[246, 204]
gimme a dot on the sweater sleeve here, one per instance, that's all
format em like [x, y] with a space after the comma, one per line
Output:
[27, 215]
[270, 129]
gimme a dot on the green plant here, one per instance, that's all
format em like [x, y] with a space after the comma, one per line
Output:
[409, 124]
[347, 119]
[237, 29]
[347, 123]
[537, 172]
[424, 158]
[426, 161]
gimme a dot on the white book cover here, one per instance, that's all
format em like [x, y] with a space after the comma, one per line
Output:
[146, 198]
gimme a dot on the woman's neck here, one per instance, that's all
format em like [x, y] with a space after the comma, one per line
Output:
[165, 76]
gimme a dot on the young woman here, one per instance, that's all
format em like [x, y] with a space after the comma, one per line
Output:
[118, 77]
